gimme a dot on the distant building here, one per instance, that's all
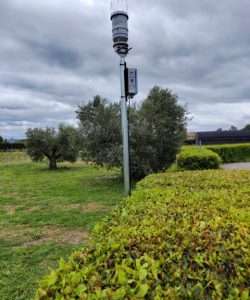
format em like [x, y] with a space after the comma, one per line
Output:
[222, 137]
[190, 136]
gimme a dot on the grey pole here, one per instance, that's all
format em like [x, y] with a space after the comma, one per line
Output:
[124, 119]
[119, 18]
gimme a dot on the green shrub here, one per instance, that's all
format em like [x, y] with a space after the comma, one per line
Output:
[232, 153]
[180, 236]
[198, 158]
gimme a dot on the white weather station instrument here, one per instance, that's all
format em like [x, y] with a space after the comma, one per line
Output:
[129, 83]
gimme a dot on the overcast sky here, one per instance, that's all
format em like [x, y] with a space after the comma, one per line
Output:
[56, 54]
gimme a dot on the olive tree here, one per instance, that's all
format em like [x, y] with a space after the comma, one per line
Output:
[101, 134]
[157, 130]
[56, 145]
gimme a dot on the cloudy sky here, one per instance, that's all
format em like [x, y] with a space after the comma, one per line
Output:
[56, 54]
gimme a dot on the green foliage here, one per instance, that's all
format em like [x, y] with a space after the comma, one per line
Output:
[1, 139]
[156, 132]
[180, 236]
[161, 129]
[100, 127]
[233, 128]
[5, 146]
[232, 152]
[198, 158]
[247, 127]
[61, 145]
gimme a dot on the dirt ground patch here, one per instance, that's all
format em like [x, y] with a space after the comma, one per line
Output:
[29, 236]
[10, 209]
[60, 235]
[17, 233]
[85, 208]
[93, 206]
[72, 236]
[32, 209]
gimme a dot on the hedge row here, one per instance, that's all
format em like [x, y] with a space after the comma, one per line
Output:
[198, 158]
[232, 153]
[11, 146]
[180, 236]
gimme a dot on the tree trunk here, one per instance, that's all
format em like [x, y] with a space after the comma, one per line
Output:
[52, 163]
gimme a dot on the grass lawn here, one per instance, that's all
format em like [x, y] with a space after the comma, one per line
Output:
[45, 215]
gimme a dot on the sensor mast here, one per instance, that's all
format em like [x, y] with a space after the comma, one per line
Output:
[119, 18]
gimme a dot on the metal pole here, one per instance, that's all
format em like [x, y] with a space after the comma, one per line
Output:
[124, 119]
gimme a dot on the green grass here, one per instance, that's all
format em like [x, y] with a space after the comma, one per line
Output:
[13, 156]
[46, 215]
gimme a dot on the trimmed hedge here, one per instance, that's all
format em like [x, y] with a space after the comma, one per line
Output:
[232, 152]
[11, 146]
[180, 236]
[198, 158]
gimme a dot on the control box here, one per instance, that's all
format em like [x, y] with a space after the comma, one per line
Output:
[131, 82]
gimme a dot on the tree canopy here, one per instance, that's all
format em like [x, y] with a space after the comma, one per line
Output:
[247, 127]
[100, 128]
[156, 132]
[233, 128]
[57, 145]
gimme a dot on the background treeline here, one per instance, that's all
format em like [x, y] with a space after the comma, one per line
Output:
[234, 128]
[6, 146]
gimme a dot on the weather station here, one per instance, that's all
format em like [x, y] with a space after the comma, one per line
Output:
[128, 77]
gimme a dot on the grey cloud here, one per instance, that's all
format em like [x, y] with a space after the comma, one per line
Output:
[55, 54]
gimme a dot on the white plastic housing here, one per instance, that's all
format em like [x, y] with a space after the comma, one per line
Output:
[119, 18]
